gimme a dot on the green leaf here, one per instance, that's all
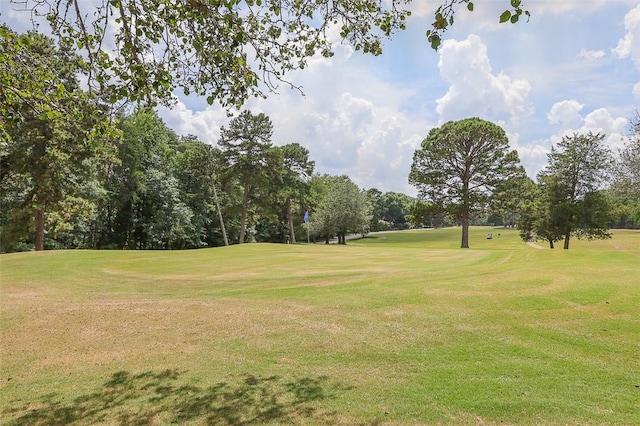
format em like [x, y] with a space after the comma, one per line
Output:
[514, 19]
[470, 6]
[506, 15]
[435, 41]
[516, 3]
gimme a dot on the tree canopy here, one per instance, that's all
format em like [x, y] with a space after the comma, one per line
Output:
[626, 175]
[225, 50]
[571, 201]
[343, 208]
[246, 146]
[460, 164]
[55, 139]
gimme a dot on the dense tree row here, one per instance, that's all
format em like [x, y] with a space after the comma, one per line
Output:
[161, 191]
[53, 140]
[75, 173]
[75, 176]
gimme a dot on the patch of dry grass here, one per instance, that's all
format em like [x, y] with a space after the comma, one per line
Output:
[400, 332]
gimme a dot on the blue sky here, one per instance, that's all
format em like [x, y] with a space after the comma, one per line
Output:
[574, 67]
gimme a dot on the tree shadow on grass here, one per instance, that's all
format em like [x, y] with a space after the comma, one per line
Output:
[160, 397]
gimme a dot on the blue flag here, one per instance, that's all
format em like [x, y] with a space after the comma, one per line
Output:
[306, 216]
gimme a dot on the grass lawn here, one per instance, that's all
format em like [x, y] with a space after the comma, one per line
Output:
[394, 329]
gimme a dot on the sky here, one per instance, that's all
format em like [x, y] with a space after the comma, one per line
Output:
[574, 67]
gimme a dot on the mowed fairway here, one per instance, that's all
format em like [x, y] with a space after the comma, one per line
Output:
[397, 328]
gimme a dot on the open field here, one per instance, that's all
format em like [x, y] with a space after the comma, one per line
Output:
[401, 328]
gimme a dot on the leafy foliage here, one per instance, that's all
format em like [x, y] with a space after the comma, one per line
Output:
[424, 213]
[246, 147]
[444, 17]
[55, 142]
[389, 210]
[225, 50]
[572, 204]
[291, 186]
[459, 166]
[510, 197]
[626, 175]
[624, 193]
[343, 208]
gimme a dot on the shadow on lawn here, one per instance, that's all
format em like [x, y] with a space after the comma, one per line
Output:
[158, 397]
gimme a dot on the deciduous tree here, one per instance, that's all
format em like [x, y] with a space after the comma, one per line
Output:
[539, 217]
[145, 207]
[577, 169]
[197, 166]
[626, 176]
[509, 197]
[425, 213]
[55, 140]
[344, 208]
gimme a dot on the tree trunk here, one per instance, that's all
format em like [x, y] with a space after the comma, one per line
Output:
[464, 214]
[142, 238]
[326, 239]
[243, 224]
[292, 234]
[551, 244]
[465, 231]
[243, 220]
[566, 241]
[39, 230]
[224, 230]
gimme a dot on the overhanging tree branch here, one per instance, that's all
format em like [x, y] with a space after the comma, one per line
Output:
[204, 47]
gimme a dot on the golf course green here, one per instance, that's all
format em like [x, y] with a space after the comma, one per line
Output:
[392, 329]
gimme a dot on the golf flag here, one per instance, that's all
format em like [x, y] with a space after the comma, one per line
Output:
[306, 216]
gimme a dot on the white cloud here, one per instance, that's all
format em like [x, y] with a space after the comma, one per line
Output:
[351, 121]
[204, 124]
[566, 113]
[636, 91]
[371, 141]
[474, 90]
[591, 55]
[629, 46]
[602, 121]
[598, 121]
[533, 156]
[575, 7]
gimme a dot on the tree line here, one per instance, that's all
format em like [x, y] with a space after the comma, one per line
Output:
[465, 170]
[76, 173]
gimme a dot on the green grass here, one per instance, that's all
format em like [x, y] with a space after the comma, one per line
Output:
[396, 328]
